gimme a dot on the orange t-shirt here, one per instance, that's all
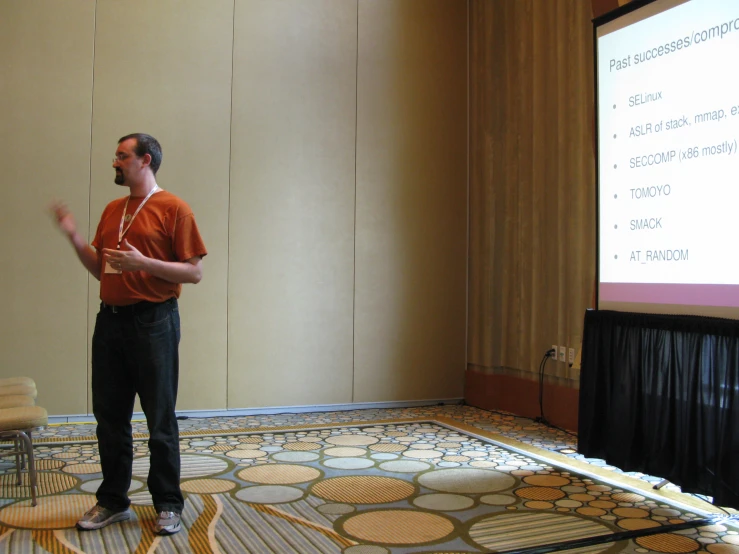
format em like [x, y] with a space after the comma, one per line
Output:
[164, 229]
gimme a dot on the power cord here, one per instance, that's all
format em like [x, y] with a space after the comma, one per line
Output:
[542, 419]
[542, 364]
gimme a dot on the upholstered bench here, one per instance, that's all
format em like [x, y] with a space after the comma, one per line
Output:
[16, 401]
[18, 386]
[5, 381]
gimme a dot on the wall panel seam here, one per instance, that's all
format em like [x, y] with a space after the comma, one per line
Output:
[88, 354]
[228, 223]
[467, 234]
[354, 261]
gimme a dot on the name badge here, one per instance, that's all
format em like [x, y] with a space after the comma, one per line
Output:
[109, 268]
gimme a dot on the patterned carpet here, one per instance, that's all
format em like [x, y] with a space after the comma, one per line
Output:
[448, 479]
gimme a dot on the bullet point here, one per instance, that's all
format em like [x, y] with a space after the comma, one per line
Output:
[614, 106]
[615, 257]
[614, 136]
[615, 226]
[615, 166]
[615, 195]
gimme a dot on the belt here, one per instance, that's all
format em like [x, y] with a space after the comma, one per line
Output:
[131, 309]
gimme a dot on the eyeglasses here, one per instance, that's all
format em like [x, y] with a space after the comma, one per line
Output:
[121, 157]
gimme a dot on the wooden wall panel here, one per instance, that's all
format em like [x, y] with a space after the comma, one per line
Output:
[291, 249]
[45, 109]
[334, 212]
[411, 200]
[532, 190]
[164, 68]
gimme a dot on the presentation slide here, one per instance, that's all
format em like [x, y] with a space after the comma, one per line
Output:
[668, 164]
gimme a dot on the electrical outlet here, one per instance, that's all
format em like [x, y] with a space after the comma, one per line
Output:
[562, 353]
[554, 354]
[571, 356]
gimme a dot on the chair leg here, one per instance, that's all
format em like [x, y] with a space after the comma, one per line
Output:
[18, 460]
[31, 466]
[23, 460]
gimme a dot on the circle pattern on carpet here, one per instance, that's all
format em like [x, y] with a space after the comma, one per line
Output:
[498, 499]
[363, 489]
[388, 447]
[345, 452]
[295, 456]
[191, 465]
[540, 493]
[82, 469]
[141, 498]
[48, 464]
[531, 529]
[246, 454]
[398, 527]
[207, 486]
[279, 474]
[348, 463]
[534, 483]
[336, 509]
[668, 542]
[443, 502]
[51, 512]
[47, 482]
[301, 446]
[546, 480]
[270, 494]
[366, 549]
[722, 549]
[352, 440]
[635, 524]
[404, 466]
[423, 454]
[467, 481]
[94, 485]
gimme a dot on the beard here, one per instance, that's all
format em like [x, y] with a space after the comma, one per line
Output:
[119, 178]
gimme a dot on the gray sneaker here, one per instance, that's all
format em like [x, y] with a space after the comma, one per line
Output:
[98, 517]
[168, 523]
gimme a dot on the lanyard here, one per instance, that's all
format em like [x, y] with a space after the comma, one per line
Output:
[121, 230]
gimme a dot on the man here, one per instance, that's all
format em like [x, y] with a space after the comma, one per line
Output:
[147, 244]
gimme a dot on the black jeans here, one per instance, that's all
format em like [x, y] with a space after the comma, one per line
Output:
[135, 350]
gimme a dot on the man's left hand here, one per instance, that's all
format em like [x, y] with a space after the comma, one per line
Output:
[125, 260]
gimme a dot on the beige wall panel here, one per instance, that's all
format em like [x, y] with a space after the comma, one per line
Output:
[164, 68]
[411, 200]
[292, 203]
[45, 109]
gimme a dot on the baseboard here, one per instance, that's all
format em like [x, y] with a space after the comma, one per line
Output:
[273, 410]
[520, 396]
